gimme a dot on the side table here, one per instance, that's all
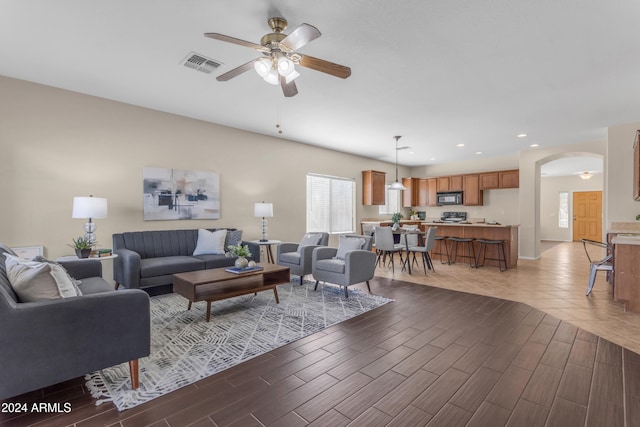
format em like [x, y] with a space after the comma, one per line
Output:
[267, 246]
[75, 258]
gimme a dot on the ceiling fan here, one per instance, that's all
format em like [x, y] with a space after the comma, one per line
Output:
[277, 66]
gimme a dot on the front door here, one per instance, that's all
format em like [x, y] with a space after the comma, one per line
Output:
[587, 215]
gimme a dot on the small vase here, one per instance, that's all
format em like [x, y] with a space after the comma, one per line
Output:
[395, 226]
[241, 262]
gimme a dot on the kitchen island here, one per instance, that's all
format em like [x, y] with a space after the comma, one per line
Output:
[475, 230]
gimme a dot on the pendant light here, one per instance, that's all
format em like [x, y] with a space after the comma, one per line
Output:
[397, 185]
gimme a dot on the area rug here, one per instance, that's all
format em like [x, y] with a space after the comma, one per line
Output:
[185, 348]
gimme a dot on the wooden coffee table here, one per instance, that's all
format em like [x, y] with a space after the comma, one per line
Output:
[217, 284]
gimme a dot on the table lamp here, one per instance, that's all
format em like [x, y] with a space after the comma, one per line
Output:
[264, 210]
[89, 207]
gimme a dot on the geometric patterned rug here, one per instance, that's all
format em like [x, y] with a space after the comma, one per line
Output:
[185, 348]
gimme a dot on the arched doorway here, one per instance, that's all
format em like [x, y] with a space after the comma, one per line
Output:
[570, 197]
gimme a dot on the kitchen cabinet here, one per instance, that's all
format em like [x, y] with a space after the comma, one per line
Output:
[509, 179]
[442, 183]
[417, 192]
[489, 180]
[432, 189]
[471, 192]
[409, 195]
[455, 183]
[423, 192]
[373, 187]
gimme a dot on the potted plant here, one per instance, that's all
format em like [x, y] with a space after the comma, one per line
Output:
[242, 252]
[396, 220]
[82, 246]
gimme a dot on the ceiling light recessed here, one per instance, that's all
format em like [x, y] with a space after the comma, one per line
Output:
[478, 152]
[521, 135]
[460, 145]
[534, 145]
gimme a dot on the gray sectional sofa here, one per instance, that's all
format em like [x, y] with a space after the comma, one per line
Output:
[148, 259]
[49, 341]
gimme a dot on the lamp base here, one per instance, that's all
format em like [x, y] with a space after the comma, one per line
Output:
[264, 240]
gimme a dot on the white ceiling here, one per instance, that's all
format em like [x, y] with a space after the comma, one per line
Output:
[439, 73]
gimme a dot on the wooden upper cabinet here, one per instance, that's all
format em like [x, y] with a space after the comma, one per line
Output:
[373, 187]
[408, 196]
[442, 183]
[489, 180]
[455, 183]
[423, 192]
[471, 192]
[509, 179]
[432, 188]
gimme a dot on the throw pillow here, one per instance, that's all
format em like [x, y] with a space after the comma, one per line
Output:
[75, 282]
[210, 242]
[35, 281]
[309, 239]
[234, 237]
[347, 244]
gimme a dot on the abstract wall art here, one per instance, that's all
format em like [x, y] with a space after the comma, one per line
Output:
[171, 194]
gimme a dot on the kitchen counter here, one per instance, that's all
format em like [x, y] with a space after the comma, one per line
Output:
[475, 230]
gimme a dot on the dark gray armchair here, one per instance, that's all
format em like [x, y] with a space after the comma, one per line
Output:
[50, 341]
[352, 267]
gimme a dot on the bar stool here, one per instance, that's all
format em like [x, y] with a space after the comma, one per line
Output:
[482, 252]
[443, 242]
[471, 252]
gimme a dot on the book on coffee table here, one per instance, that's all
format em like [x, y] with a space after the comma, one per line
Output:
[236, 270]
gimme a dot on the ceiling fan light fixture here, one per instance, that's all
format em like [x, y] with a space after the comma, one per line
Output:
[263, 67]
[272, 77]
[291, 76]
[285, 66]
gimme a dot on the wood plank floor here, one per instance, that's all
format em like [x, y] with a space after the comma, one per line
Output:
[472, 347]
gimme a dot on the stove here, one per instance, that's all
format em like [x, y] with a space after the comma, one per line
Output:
[453, 216]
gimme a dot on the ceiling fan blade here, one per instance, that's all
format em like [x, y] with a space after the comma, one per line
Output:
[234, 40]
[325, 66]
[299, 37]
[289, 89]
[236, 71]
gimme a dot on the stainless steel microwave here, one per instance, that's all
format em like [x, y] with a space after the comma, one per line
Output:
[449, 198]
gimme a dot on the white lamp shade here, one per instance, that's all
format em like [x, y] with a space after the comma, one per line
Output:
[262, 67]
[89, 207]
[263, 210]
[397, 186]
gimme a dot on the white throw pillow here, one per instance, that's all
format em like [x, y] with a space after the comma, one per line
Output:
[35, 281]
[347, 244]
[210, 242]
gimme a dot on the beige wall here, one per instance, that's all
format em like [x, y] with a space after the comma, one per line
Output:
[58, 144]
[620, 206]
[550, 188]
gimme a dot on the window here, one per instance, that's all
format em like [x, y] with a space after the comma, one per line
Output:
[392, 199]
[330, 204]
[563, 210]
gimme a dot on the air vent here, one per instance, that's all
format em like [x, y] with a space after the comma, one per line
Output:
[201, 63]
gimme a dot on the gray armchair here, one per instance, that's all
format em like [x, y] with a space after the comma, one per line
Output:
[357, 266]
[297, 256]
[50, 341]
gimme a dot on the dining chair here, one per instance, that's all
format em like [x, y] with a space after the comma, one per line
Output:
[605, 264]
[425, 251]
[385, 246]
